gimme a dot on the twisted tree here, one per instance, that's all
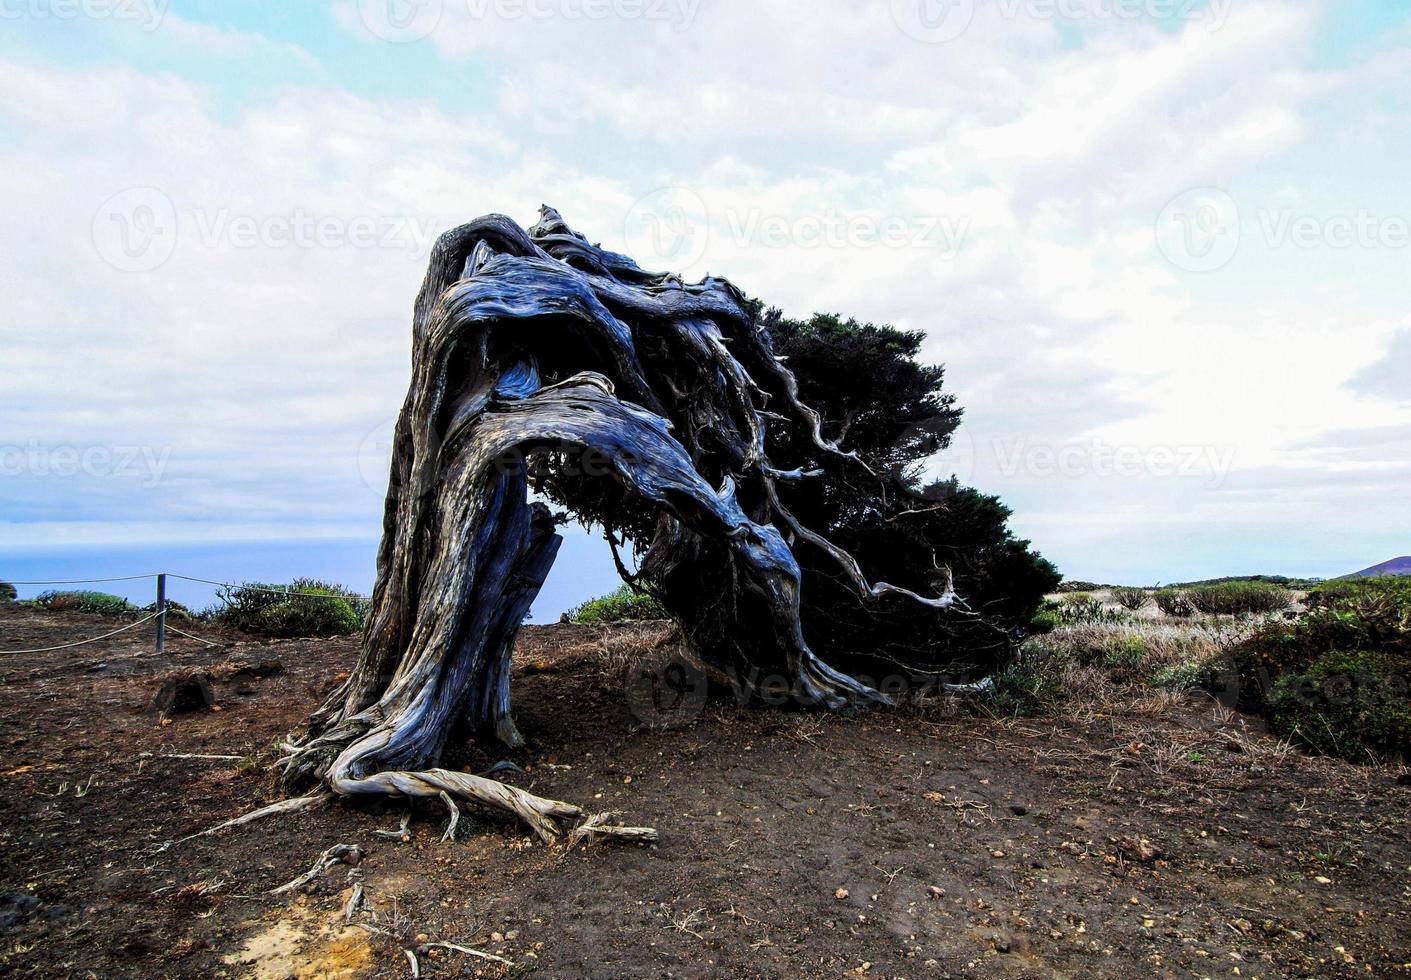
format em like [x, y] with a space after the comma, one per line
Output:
[656, 407]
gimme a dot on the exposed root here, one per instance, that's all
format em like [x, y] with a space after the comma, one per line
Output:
[295, 805]
[596, 826]
[450, 834]
[337, 854]
[541, 814]
[402, 834]
[472, 952]
[354, 903]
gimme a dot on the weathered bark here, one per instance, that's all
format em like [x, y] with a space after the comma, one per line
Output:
[538, 345]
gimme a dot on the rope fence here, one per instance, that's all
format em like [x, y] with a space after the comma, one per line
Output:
[91, 639]
[161, 606]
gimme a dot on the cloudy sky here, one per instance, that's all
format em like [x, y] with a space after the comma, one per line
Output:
[1163, 246]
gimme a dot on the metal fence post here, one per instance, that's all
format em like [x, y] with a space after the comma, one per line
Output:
[161, 612]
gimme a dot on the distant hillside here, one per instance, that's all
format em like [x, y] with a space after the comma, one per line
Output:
[1397, 566]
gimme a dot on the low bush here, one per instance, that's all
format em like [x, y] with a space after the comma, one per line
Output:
[1335, 679]
[175, 610]
[623, 605]
[1081, 608]
[1021, 692]
[1173, 602]
[1066, 587]
[7, 592]
[101, 603]
[1130, 599]
[1046, 620]
[1188, 675]
[305, 607]
[1239, 598]
[1352, 705]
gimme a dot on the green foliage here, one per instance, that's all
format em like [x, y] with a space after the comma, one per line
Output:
[102, 603]
[1077, 587]
[1335, 680]
[1173, 602]
[1022, 691]
[1081, 608]
[7, 592]
[175, 611]
[624, 604]
[1046, 620]
[320, 609]
[1352, 705]
[1187, 675]
[876, 399]
[1351, 593]
[1129, 598]
[1239, 598]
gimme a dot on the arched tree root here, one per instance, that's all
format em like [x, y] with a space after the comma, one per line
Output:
[547, 818]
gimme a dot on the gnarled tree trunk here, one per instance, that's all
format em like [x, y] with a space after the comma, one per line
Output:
[538, 346]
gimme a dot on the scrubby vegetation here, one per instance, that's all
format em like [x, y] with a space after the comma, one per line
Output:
[1077, 586]
[1239, 598]
[1129, 598]
[1079, 607]
[305, 607]
[1335, 680]
[623, 605]
[1136, 664]
[101, 603]
[7, 592]
[1173, 602]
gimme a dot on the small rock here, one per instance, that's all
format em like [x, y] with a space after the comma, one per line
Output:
[1018, 809]
[840, 894]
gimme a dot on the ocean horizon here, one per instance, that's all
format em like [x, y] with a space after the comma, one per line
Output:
[584, 568]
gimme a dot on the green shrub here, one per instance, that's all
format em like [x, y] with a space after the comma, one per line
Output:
[1173, 602]
[1239, 598]
[1023, 691]
[1335, 679]
[1187, 675]
[1119, 652]
[1081, 608]
[7, 592]
[624, 604]
[1349, 593]
[101, 603]
[318, 609]
[1352, 705]
[1046, 620]
[175, 610]
[1130, 599]
[1067, 587]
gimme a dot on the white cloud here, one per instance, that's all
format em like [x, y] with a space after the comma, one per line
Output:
[1027, 171]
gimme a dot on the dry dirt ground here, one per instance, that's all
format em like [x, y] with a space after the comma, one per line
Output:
[931, 843]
